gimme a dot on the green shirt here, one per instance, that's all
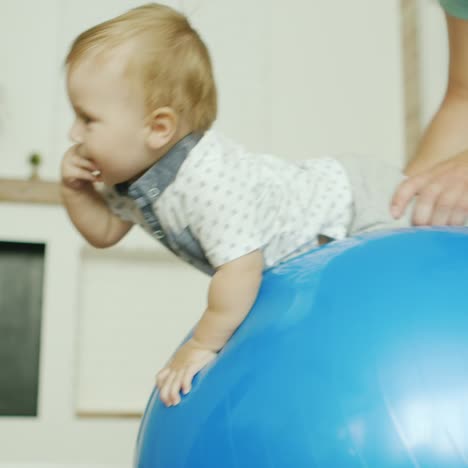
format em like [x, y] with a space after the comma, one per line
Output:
[457, 8]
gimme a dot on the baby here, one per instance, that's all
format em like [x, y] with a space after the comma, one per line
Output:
[142, 89]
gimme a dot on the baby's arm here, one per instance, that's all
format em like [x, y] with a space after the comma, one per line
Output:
[232, 293]
[86, 208]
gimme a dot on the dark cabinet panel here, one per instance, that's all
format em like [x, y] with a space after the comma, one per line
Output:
[21, 285]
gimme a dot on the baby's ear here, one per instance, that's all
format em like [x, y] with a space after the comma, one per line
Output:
[162, 125]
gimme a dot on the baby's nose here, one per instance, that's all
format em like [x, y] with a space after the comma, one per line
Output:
[74, 133]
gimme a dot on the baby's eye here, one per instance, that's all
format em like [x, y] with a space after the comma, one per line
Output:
[86, 119]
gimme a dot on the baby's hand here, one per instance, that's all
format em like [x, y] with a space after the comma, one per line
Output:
[178, 373]
[77, 171]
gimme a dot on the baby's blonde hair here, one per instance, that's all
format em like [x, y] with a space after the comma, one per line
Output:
[169, 60]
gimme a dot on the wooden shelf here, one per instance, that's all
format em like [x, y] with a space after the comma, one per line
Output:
[108, 415]
[30, 191]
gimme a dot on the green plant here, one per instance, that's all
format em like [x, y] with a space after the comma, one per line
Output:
[35, 160]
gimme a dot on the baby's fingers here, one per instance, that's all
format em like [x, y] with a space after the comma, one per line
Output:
[187, 379]
[174, 392]
[75, 178]
[162, 376]
[81, 174]
[83, 163]
[165, 389]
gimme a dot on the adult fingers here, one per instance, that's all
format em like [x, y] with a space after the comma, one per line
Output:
[405, 192]
[446, 204]
[425, 203]
[458, 218]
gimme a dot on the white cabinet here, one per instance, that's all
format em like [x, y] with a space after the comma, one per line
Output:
[136, 304]
[110, 320]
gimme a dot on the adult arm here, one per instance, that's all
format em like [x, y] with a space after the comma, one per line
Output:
[438, 174]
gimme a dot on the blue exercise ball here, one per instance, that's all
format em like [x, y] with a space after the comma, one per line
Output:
[354, 355]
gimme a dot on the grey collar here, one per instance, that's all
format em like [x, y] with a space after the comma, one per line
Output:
[159, 176]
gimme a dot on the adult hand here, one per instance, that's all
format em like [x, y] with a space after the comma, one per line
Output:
[441, 194]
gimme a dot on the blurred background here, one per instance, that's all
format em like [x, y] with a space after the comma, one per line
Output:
[83, 331]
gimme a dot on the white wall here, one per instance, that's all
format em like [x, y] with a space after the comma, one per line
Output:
[28, 83]
[434, 57]
[298, 78]
[336, 78]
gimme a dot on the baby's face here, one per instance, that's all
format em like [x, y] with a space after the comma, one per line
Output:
[109, 121]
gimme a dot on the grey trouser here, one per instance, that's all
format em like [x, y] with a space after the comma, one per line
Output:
[373, 183]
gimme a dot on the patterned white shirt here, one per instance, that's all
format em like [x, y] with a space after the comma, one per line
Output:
[234, 202]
